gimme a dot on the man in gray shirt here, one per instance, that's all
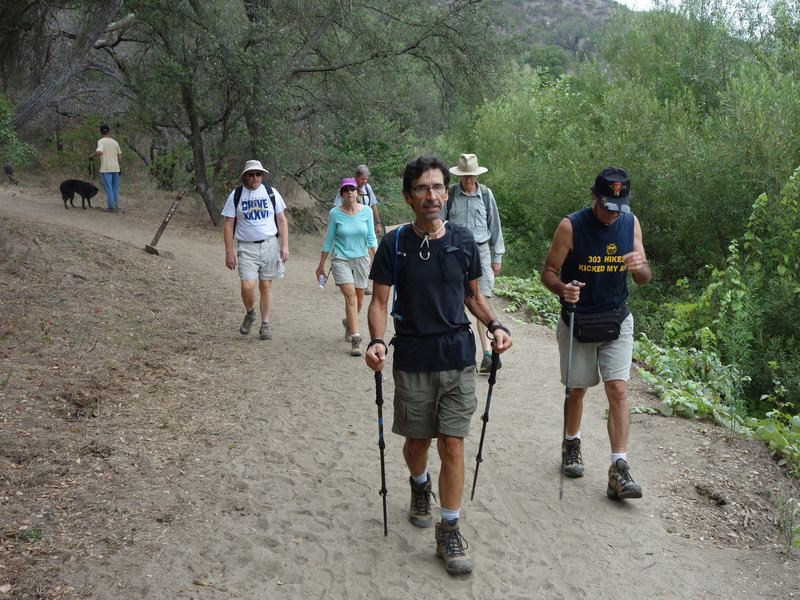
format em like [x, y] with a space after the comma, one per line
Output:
[473, 205]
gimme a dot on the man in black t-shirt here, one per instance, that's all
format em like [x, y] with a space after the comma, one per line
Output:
[434, 268]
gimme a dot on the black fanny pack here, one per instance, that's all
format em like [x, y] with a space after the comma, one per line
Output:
[590, 328]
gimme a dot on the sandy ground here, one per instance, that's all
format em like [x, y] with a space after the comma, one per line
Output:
[164, 455]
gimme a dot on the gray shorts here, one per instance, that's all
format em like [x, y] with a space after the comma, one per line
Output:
[350, 270]
[260, 261]
[486, 280]
[609, 360]
[433, 402]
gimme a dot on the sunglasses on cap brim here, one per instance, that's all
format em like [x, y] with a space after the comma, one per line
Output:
[612, 206]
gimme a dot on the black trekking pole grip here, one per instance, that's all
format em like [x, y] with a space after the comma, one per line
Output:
[571, 310]
[485, 418]
[381, 444]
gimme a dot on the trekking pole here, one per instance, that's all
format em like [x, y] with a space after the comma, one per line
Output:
[381, 444]
[485, 418]
[571, 311]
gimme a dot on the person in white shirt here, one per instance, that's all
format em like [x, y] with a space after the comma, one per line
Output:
[254, 217]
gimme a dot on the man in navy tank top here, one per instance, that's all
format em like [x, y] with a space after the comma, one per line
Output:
[587, 266]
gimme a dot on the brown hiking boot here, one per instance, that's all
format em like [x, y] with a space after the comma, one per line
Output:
[486, 364]
[249, 319]
[572, 461]
[620, 482]
[420, 513]
[264, 333]
[452, 547]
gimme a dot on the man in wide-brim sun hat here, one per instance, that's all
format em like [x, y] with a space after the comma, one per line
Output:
[254, 216]
[473, 205]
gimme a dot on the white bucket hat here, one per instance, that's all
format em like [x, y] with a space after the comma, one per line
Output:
[253, 165]
[467, 165]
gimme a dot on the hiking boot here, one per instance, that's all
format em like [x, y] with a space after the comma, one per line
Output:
[249, 319]
[355, 345]
[420, 513]
[264, 333]
[452, 547]
[367, 292]
[571, 457]
[486, 364]
[347, 333]
[620, 482]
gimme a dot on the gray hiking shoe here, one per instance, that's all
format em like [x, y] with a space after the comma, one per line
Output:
[420, 513]
[620, 482]
[452, 547]
[355, 345]
[264, 333]
[346, 330]
[486, 364]
[572, 461]
[249, 319]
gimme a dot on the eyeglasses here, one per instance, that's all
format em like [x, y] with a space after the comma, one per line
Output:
[423, 189]
[348, 188]
[254, 174]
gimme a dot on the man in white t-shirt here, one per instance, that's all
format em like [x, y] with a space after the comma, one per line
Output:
[110, 166]
[257, 222]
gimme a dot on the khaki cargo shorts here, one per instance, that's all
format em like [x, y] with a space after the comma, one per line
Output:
[609, 360]
[432, 402]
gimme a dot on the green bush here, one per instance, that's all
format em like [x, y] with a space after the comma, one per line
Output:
[12, 151]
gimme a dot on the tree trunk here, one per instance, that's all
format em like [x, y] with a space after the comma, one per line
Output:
[57, 79]
[205, 190]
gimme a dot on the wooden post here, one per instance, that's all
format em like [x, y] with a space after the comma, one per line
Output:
[151, 247]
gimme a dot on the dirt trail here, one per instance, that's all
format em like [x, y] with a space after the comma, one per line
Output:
[250, 469]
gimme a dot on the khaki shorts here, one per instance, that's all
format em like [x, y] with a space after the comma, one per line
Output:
[350, 270]
[433, 402]
[486, 280]
[609, 360]
[260, 261]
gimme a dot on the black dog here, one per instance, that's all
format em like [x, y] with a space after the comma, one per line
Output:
[85, 190]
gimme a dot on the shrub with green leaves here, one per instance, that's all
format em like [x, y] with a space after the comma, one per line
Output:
[538, 303]
[12, 151]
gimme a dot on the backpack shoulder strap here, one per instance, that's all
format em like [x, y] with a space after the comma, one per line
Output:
[485, 196]
[274, 209]
[457, 244]
[451, 192]
[237, 195]
[394, 291]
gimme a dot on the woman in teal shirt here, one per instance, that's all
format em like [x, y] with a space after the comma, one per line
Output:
[351, 242]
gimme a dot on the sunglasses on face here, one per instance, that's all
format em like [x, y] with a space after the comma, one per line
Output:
[254, 174]
[348, 188]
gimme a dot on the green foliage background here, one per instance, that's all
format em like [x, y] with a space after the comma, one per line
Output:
[698, 102]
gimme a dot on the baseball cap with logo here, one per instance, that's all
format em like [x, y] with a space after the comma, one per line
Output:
[612, 187]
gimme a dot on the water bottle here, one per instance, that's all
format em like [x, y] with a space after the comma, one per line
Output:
[322, 281]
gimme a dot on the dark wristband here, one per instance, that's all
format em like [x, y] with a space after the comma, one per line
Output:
[376, 341]
[494, 325]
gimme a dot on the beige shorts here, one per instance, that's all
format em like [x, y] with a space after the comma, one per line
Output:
[350, 270]
[609, 360]
[260, 261]
[433, 402]
[486, 280]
